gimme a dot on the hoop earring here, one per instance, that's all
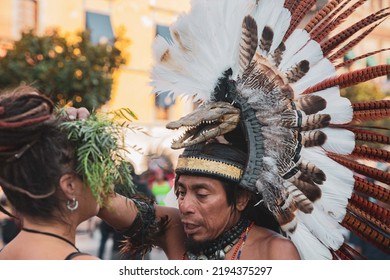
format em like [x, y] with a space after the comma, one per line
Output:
[72, 204]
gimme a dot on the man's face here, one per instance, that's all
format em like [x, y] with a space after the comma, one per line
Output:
[204, 210]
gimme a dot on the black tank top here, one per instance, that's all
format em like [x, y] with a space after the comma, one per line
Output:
[75, 254]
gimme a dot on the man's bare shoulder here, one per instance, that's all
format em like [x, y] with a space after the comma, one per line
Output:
[275, 246]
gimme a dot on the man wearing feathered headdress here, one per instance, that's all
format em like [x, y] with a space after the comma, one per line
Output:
[286, 145]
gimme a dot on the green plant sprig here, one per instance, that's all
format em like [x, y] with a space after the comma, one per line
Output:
[101, 152]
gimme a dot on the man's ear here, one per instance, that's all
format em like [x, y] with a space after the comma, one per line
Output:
[242, 200]
[68, 185]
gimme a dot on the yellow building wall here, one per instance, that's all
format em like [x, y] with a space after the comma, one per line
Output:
[6, 20]
[140, 19]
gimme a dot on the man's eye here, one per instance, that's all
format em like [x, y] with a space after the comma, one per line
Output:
[180, 194]
[201, 195]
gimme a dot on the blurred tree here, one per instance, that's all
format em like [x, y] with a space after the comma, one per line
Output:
[363, 92]
[78, 72]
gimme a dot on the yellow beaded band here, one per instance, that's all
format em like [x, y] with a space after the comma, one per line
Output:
[209, 166]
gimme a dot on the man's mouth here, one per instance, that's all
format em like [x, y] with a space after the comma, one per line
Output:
[190, 228]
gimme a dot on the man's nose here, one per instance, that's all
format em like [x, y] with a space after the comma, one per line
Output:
[186, 205]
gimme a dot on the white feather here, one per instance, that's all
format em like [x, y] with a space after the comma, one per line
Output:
[280, 27]
[341, 141]
[274, 15]
[262, 14]
[339, 108]
[210, 36]
[294, 43]
[338, 186]
[308, 246]
[315, 56]
[320, 71]
[323, 227]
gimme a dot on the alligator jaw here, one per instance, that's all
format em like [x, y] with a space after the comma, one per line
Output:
[206, 122]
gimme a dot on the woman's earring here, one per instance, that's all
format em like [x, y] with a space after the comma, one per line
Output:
[72, 204]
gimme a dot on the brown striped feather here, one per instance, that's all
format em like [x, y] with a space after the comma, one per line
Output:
[328, 45]
[344, 50]
[362, 169]
[365, 232]
[347, 252]
[371, 208]
[372, 190]
[320, 30]
[339, 255]
[266, 39]
[300, 200]
[248, 43]
[313, 138]
[370, 136]
[277, 55]
[339, 19]
[351, 78]
[310, 190]
[298, 14]
[298, 71]
[321, 14]
[371, 105]
[289, 119]
[316, 121]
[311, 172]
[291, 5]
[350, 61]
[366, 216]
[371, 153]
[371, 115]
[344, 254]
[310, 104]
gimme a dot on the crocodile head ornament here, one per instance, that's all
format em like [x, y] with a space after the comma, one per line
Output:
[208, 121]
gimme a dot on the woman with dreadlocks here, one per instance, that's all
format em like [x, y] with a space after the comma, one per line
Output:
[59, 169]
[37, 174]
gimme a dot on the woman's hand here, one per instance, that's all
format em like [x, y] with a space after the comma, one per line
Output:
[77, 113]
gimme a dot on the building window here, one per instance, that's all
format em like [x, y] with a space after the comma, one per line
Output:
[100, 27]
[371, 61]
[349, 55]
[27, 16]
[163, 100]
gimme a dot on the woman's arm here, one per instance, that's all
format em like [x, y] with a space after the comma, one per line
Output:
[121, 213]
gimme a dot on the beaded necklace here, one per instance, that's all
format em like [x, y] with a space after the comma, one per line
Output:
[218, 249]
[241, 244]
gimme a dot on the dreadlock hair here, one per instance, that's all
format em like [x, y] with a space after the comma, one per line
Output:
[34, 153]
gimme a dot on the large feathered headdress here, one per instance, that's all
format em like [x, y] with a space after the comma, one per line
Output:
[252, 67]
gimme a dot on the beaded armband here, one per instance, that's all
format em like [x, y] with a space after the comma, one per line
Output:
[141, 235]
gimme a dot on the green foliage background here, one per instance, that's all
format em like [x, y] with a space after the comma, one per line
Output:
[79, 72]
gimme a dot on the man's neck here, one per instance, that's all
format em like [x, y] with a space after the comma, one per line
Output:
[213, 248]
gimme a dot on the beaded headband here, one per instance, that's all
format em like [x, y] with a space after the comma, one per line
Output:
[209, 166]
